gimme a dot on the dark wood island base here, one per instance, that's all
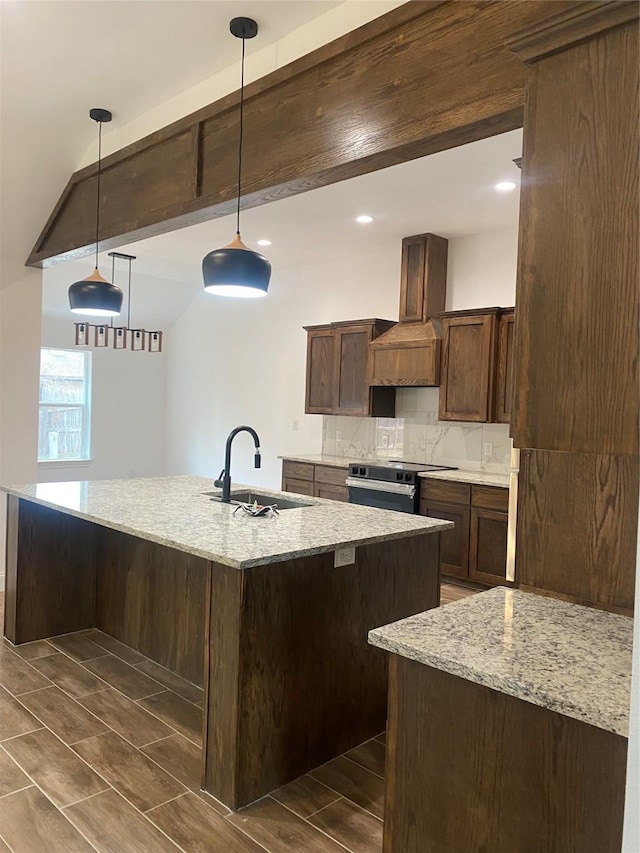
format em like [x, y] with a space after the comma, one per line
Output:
[472, 769]
[280, 649]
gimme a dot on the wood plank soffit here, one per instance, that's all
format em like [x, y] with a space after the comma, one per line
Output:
[572, 26]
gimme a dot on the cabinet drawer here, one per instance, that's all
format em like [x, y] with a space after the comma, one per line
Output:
[490, 497]
[297, 470]
[330, 475]
[444, 490]
[332, 493]
[299, 487]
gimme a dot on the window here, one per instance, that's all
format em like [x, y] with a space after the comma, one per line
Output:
[65, 405]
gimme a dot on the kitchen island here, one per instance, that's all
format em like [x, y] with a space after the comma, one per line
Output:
[258, 611]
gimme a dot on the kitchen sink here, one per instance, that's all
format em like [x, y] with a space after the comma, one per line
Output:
[264, 500]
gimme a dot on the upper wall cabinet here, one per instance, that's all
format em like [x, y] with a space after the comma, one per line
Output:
[337, 370]
[475, 378]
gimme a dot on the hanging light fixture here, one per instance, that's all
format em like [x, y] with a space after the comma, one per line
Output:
[236, 270]
[94, 295]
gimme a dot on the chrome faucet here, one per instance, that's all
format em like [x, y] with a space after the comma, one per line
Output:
[224, 480]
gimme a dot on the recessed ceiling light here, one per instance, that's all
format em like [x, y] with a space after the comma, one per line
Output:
[264, 242]
[505, 186]
[364, 218]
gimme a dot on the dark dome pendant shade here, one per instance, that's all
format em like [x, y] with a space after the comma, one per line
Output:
[94, 295]
[236, 270]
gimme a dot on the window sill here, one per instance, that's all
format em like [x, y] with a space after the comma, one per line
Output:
[66, 463]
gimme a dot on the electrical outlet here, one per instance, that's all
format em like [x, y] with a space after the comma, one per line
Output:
[344, 556]
[385, 440]
[338, 435]
[294, 426]
[487, 448]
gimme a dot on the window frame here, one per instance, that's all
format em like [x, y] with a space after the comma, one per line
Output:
[85, 457]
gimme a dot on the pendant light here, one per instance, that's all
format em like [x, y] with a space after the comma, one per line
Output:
[236, 270]
[94, 295]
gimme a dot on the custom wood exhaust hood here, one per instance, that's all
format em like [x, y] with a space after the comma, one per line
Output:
[409, 353]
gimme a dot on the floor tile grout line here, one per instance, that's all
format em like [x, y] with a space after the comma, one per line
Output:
[134, 807]
[17, 790]
[22, 734]
[340, 795]
[333, 802]
[317, 828]
[195, 743]
[56, 807]
[362, 766]
[170, 800]
[351, 802]
[9, 848]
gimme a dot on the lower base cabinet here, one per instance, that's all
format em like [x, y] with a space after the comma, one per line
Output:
[476, 549]
[318, 481]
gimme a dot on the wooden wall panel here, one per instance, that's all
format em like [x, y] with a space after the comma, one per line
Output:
[577, 526]
[153, 598]
[388, 92]
[50, 578]
[576, 349]
[471, 769]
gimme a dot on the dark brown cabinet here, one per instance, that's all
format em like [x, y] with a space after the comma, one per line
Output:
[475, 377]
[320, 481]
[338, 370]
[476, 549]
[504, 367]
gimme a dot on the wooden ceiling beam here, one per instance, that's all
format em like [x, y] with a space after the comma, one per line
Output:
[427, 76]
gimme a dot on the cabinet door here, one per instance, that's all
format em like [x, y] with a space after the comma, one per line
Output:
[352, 389]
[504, 369]
[468, 359]
[412, 279]
[333, 493]
[300, 487]
[454, 544]
[320, 391]
[488, 547]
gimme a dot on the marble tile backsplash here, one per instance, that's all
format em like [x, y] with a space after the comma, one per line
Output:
[417, 435]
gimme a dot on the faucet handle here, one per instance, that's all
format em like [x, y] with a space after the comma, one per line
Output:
[218, 483]
[257, 459]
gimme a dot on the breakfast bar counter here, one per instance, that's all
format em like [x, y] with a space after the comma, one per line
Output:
[521, 703]
[269, 614]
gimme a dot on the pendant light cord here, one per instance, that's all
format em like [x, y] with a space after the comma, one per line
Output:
[240, 140]
[98, 198]
[129, 298]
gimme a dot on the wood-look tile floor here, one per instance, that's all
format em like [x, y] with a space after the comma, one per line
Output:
[100, 751]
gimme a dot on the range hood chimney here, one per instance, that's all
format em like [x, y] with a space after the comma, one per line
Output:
[409, 353]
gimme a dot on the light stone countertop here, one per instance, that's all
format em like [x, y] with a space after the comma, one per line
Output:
[570, 659]
[324, 459]
[479, 478]
[173, 512]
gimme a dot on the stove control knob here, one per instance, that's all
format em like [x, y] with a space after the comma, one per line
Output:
[407, 477]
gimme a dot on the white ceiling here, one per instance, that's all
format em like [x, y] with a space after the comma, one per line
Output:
[451, 193]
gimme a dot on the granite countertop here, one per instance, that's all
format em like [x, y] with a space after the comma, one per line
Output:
[479, 478]
[173, 512]
[324, 459]
[570, 659]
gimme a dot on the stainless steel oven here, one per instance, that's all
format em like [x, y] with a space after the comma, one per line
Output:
[388, 485]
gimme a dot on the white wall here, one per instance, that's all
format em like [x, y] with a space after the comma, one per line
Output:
[127, 411]
[481, 270]
[243, 361]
